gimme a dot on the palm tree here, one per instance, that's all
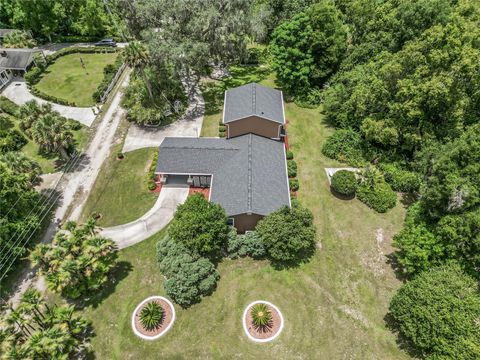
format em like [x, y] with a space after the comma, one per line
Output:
[18, 39]
[52, 133]
[21, 163]
[137, 57]
[261, 315]
[151, 315]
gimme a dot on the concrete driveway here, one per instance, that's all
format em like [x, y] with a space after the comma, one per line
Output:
[152, 222]
[18, 92]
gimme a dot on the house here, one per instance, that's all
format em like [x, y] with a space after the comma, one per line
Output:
[246, 173]
[15, 62]
[254, 108]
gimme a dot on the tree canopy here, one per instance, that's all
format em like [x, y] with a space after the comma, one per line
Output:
[437, 313]
[200, 225]
[77, 261]
[288, 235]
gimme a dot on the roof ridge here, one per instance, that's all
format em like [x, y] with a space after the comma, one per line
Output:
[249, 185]
[254, 98]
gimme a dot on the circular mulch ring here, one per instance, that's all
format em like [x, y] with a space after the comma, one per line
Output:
[165, 325]
[264, 334]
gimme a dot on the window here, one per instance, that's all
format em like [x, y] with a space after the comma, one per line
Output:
[231, 221]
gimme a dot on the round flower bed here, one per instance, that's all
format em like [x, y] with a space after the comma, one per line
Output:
[162, 317]
[262, 321]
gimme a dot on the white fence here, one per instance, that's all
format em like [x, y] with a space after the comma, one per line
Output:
[112, 83]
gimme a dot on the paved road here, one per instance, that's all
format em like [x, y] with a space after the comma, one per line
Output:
[152, 222]
[75, 186]
[189, 125]
[18, 92]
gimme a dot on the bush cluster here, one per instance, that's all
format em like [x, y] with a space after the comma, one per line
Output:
[11, 140]
[344, 182]
[289, 155]
[345, 145]
[375, 192]
[188, 275]
[241, 245]
[33, 76]
[51, 98]
[84, 50]
[399, 179]
[291, 168]
[255, 56]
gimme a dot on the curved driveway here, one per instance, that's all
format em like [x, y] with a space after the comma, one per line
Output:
[18, 92]
[152, 222]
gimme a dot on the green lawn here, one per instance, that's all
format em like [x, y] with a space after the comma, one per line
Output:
[66, 79]
[334, 306]
[120, 192]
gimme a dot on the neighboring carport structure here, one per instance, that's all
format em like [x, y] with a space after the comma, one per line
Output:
[247, 174]
[15, 62]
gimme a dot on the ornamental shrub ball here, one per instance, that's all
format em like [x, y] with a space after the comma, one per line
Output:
[438, 312]
[344, 182]
[289, 155]
[375, 192]
[201, 226]
[291, 168]
[288, 234]
[345, 145]
[294, 184]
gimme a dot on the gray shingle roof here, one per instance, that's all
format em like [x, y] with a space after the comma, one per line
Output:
[16, 59]
[248, 172]
[253, 99]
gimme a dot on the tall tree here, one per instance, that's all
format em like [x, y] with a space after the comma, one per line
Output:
[53, 134]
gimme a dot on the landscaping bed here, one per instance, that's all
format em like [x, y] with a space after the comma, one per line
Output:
[165, 323]
[267, 332]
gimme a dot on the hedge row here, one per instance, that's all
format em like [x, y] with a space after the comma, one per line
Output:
[51, 98]
[293, 183]
[8, 106]
[108, 73]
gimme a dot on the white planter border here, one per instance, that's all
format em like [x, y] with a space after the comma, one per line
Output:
[245, 328]
[164, 331]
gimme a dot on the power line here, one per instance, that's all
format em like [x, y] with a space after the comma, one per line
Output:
[26, 240]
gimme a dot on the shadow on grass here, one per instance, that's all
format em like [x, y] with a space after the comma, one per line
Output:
[396, 267]
[119, 272]
[408, 199]
[302, 258]
[341, 196]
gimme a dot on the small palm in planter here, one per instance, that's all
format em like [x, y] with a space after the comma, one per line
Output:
[261, 316]
[151, 315]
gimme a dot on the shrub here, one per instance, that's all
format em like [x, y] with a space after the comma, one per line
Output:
[11, 140]
[261, 315]
[188, 276]
[345, 145]
[400, 180]
[291, 168]
[152, 186]
[221, 134]
[200, 225]
[241, 245]
[5, 122]
[289, 155]
[437, 313]
[293, 184]
[288, 234]
[151, 315]
[33, 75]
[109, 72]
[74, 124]
[344, 182]
[310, 100]
[221, 129]
[375, 192]
[8, 106]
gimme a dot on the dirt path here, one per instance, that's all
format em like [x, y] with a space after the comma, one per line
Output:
[76, 185]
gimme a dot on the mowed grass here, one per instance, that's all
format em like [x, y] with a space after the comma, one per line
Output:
[68, 80]
[334, 306]
[120, 192]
